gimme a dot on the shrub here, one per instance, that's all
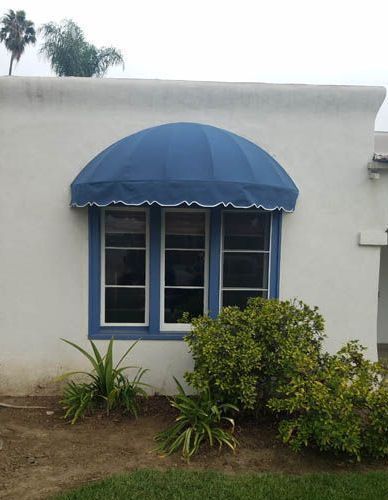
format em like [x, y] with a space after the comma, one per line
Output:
[241, 354]
[290, 333]
[200, 419]
[108, 385]
[375, 435]
[340, 405]
[271, 355]
[227, 358]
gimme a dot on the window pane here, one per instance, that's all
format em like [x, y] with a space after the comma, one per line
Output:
[124, 267]
[185, 230]
[246, 231]
[125, 228]
[245, 270]
[239, 297]
[178, 301]
[184, 268]
[124, 305]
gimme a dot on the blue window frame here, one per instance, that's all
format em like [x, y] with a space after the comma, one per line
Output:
[152, 324]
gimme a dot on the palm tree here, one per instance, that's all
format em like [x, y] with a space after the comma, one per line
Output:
[16, 32]
[70, 54]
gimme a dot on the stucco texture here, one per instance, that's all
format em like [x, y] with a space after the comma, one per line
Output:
[50, 128]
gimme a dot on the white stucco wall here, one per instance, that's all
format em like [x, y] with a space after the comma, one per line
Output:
[381, 142]
[50, 128]
[382, 318]
[381, 147]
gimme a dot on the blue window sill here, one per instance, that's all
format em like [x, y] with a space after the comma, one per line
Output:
[133, 333]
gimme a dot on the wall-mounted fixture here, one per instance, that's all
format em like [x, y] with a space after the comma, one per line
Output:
[373, 237]
[377, 165]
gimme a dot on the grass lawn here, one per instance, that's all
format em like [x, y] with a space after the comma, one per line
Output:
[184, 485]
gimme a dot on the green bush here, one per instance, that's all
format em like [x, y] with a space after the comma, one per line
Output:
[271, 355]
[201, 418]
[340, 405]
[108, 386]
[375, 433]
[240, 354]
[227, 358]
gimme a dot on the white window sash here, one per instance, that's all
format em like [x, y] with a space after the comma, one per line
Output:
[182, 327]
[223, 251]
[103, 285]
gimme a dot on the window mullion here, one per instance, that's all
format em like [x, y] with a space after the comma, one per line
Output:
[155, 274]
[274, 264]
[214, 262]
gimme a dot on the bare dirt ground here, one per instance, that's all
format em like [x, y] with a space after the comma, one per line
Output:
[41, 454]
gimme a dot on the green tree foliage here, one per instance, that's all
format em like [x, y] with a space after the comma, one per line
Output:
[271, 355]
[16, 32]
[71, 55]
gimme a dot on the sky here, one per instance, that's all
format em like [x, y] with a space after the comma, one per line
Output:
[276, 41]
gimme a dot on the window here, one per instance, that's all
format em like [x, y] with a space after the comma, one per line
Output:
[124, 291]
[245, 256]
[149, 265]
[184, 266]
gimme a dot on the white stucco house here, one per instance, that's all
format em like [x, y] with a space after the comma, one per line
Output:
[125, 203]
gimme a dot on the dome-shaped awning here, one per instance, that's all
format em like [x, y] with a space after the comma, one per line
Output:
[185, 163]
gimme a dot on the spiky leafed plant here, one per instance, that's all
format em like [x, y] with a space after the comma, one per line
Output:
[107, 384]
[200, 419]
[70, 54]
[16, 32]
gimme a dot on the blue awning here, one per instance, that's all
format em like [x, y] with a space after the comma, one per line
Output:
[185, 163]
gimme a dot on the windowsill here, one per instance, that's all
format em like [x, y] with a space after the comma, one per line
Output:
[133, 333]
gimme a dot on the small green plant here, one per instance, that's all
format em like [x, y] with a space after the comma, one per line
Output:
[108, 386]
[200, 419]
[130, 391]
[77, 398]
